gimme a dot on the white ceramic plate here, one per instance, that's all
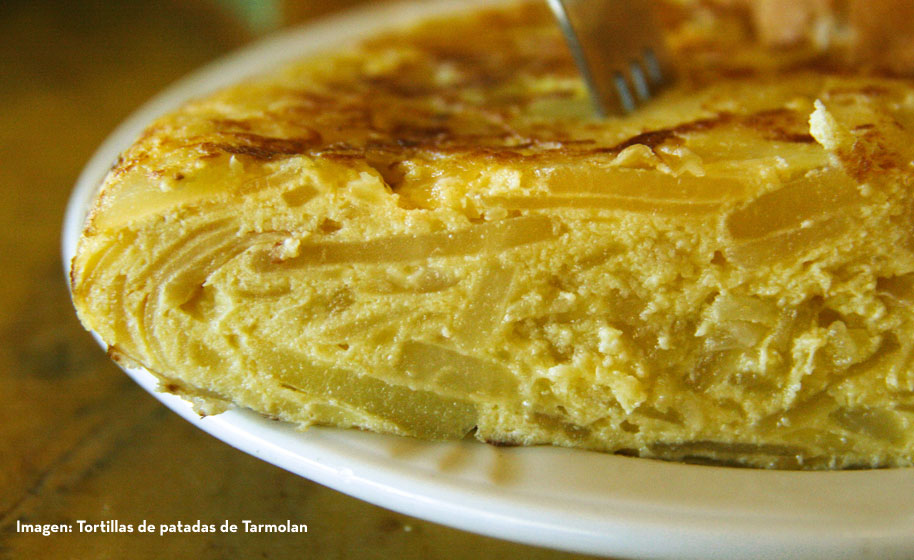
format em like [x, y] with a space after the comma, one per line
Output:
[573, 500]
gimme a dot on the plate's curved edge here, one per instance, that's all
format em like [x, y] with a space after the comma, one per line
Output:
[357, 464]
[624, 523]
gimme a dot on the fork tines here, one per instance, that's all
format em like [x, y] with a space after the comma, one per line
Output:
[618, 48]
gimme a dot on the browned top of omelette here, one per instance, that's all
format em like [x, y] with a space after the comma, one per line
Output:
[456, 89]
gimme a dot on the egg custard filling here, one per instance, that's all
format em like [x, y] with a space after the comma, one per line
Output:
[429, 234]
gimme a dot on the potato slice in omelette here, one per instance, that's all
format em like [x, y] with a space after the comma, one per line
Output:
[429, 235]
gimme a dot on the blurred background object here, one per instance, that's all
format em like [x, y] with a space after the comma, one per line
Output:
[884, 34]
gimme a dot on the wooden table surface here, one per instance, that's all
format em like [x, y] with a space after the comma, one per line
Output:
[78, 439]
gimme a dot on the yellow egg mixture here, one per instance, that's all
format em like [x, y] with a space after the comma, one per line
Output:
[430, 235]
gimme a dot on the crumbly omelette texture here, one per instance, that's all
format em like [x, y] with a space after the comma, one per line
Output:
[428, 235]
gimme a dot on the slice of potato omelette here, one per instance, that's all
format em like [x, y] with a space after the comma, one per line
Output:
[428, 234]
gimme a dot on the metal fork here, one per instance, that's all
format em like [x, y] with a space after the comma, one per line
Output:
[619, 50]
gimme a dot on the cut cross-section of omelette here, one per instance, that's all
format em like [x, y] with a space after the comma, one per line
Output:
[429, 235]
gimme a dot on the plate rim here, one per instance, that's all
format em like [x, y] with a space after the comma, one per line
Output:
[624, 524]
